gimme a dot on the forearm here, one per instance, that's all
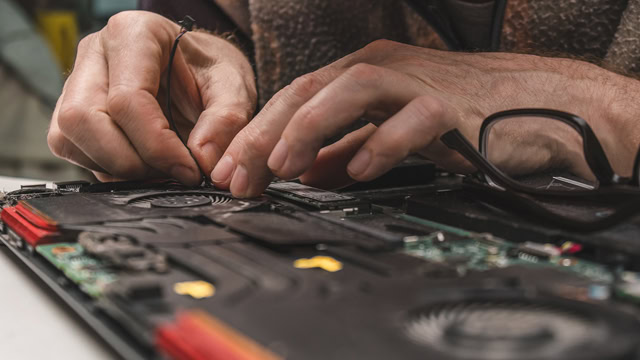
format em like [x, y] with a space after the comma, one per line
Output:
[617, 123]
[607, 101]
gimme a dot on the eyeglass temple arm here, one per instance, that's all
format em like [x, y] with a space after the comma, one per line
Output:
[523, 204]
[454, 140]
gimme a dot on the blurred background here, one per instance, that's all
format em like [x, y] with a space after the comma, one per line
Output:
[38, 41]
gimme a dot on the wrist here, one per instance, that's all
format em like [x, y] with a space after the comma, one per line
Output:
[604, 99]
[613, 114]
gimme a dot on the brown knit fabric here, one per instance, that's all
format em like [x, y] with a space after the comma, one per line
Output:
[603, 31]
[294, 37]
[579, 28]
[624, 52]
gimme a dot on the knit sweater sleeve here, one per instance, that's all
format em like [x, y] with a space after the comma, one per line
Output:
[206, 13]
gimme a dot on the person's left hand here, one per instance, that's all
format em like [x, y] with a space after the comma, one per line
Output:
[413, 94]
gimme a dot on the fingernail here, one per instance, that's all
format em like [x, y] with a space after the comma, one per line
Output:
[223, 170]
[184, 174]
[278, 155]
[360, 162]
[240, 181]
[211, 153]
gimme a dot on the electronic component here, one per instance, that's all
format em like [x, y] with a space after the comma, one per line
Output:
[121, 252]
[316, 198]
[70, 186]
[481, 252]
[534, 252]
[91, 274]
[286, 229]
[501, 324]
[628, 287]
[27, 228]
[158, 260]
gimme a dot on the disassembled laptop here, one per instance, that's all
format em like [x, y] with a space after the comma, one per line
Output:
[407, 267]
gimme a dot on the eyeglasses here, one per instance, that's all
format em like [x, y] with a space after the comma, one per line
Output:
[548, 164]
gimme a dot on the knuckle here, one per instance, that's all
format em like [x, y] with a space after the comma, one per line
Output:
[122, 21]
[309, 118]
[231, 119]
[427, 107]
[380, 45]
[253, 143]
[71, 116]
[86, 43]
[365, 74]
[304, 85]
[119, 101]
[56, 142]
[134, 26]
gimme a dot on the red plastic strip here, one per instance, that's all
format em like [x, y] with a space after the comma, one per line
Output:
[38, 220]
[196, 335]
[29, 232]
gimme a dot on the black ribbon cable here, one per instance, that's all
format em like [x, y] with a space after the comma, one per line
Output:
[186, 25]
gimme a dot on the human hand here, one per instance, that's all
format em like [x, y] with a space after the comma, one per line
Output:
[109, 118]
[413, 94]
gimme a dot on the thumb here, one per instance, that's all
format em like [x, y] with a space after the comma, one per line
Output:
[229, 104]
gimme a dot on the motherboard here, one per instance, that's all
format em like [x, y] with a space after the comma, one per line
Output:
[160, 270]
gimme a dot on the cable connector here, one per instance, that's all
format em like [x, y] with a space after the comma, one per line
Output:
[187, 23]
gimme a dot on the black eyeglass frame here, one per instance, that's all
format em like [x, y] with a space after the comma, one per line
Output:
[610, 183]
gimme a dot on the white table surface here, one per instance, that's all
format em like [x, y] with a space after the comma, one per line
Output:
[33, 325]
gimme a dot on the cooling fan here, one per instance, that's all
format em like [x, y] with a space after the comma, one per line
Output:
[191, 200]
[523, 329]
[179, 200]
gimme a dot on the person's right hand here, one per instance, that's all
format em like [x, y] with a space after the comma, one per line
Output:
[110, 119]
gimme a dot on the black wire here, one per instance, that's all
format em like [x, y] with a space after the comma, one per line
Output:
[172, 124]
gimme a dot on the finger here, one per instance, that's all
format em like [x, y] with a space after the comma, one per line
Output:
[243, 169]
[361, 89]
[62, 147]
[229, 104]
[135, 68]
[104, 177]
[416, 127]
[83, 120]
[329, 170]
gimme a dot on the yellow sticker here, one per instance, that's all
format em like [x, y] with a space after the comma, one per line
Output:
[197, 289]
[323, 262]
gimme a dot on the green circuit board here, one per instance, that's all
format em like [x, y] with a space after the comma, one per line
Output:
[89, 273]
[481, 252]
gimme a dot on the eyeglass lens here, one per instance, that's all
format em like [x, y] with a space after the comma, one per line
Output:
[538, 152]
